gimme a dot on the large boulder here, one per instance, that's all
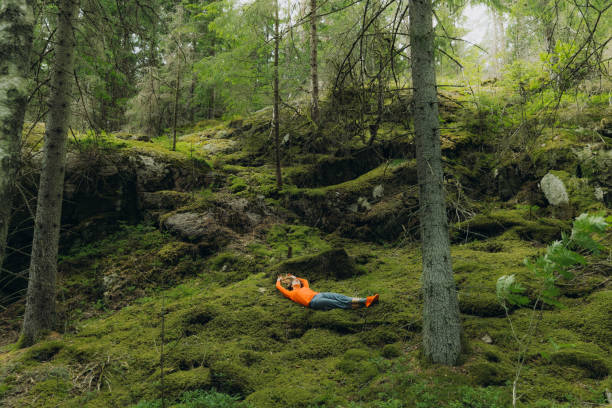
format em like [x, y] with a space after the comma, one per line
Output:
[331, 264]
[200, 228]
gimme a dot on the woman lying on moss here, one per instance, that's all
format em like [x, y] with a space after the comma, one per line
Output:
[297, 289]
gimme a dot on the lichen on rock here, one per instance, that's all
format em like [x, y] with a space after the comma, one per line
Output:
[554, 190]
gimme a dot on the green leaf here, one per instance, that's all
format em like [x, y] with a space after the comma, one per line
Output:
[508, 290]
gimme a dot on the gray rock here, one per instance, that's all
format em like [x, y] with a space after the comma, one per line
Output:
[165, 199]
[191, 226]
[200, 228]
[554, 190]
[378, 191]
[151, 174]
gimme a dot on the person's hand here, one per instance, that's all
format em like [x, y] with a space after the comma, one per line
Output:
[279, 278]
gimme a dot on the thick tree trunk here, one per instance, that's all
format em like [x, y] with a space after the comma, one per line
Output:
[314, 67]
[275, 112]
[40, 306]
[441, 326]
[16, 25]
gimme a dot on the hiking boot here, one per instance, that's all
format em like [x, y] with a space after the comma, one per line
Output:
[370, 300]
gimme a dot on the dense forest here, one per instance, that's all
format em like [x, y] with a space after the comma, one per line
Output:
[323, 203]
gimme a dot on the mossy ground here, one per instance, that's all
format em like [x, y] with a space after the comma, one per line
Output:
[227, 328]
[243, 338]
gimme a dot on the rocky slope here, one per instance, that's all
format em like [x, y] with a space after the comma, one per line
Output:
[192, 240]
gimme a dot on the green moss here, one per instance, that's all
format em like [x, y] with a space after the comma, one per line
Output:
[173, 251]
[334, 264]
[178, 382]
[51, 391]
[499, 221]
[486, 374]
[483, 304]
[44, 351]
[591, 319]
[356, 364]
[237, 184]
[232, 378]
[379, 336]
[581, 193]
[363, 184]
[392, 350]
[595, 366]
[321, 343]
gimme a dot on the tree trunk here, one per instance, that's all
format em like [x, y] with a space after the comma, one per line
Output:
[40, 306]
[314, 75]
[275, 112]
[441, 326]
[211, 103]
[176, 97]
[16, 25]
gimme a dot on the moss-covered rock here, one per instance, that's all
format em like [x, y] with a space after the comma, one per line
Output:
[379, 336]
[188, 380]
[591, 319]
[481, 304]
[392, 350]
[496, 222]
[44, 351]
[337, 320]
[231, 378]
[164, 199]
[355, 363]
[331, 264]
[486, 374]
[172, 252]
[199, 228]
[281, 395]
[595, 366]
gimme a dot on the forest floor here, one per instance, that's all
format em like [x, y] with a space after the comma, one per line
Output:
[193, 277]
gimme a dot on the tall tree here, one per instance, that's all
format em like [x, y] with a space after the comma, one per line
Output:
[275, 110]
[40, 306]
[441, 325]
[314, 67]
[16, 26]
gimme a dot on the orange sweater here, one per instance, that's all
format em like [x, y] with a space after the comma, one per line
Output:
[301, 294]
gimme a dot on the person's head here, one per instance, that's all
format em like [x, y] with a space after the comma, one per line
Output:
[288, 281]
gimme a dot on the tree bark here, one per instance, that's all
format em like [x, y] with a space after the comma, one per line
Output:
[314, 67]
[40, 306]
[16, 26]
[176, 97]
[441, 325]
[275, 111]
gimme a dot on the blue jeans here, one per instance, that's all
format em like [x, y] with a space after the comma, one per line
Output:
[330, 300]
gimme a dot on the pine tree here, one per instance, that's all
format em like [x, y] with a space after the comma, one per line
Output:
[40, 306]
[441, 325]
[16, 26]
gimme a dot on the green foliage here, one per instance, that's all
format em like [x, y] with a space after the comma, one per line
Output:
[479, 398]
[198, 399]
[507, 289]
[556, 263]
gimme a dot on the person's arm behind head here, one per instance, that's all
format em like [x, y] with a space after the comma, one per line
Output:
[284, 291]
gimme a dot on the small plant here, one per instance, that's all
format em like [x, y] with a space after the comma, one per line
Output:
[556, 264]
[199, 399]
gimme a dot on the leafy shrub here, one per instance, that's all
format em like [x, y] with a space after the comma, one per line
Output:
[478, 398]
[199, 399]
[556, 263]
